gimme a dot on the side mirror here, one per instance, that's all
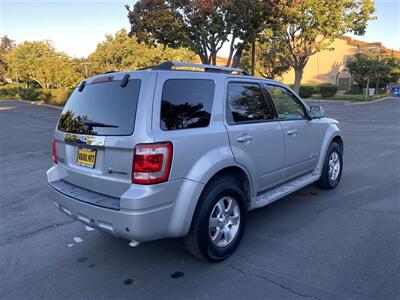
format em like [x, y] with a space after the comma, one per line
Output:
[317, 112]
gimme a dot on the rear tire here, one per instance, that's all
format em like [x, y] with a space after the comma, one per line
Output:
[332, 169]
[219, 220]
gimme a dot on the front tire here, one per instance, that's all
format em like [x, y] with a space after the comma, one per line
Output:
[219, 220]
[332, 169]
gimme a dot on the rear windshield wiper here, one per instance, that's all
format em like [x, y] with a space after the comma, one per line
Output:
[92, 124]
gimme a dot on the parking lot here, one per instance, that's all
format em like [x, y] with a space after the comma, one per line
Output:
[338, 244]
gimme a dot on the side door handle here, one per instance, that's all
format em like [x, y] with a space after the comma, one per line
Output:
[292, 132]
[244, 138]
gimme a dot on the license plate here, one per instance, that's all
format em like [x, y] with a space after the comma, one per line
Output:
[86, 158]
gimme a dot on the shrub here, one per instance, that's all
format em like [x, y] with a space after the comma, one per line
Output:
[306, 91]
[58, 97]
[381, 91]
[355, 89]
[49, 96]
[328, 90]
[8, 92]
[34, 95]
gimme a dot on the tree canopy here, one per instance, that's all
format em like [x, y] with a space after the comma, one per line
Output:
[306, 27]
[120, 52]
[373, 68]
[200, 25]
[6, 45]
[273, 57]
[38, 61]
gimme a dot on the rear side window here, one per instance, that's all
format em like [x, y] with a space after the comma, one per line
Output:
[101, 109]
[186, 103]
[246, 103]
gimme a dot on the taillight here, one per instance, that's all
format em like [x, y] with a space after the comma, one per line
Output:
[152, 163]
[53, 142]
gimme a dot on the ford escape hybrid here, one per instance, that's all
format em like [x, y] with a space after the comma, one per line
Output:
[184, 150]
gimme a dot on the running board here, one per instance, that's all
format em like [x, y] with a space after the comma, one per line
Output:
[285, 189]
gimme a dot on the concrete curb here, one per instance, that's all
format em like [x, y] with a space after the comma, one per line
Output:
[373, 101]
[323, 101]
[349, 102]
[40, 104]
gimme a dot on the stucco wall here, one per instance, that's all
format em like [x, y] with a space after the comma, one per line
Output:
[324, 66]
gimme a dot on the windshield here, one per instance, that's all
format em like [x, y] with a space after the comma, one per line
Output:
[101, 109]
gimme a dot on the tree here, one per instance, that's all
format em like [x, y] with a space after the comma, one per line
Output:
[371, 68]
[273, 58]
[6, 45]
[394, 73]
[246, 19]
[39, 62]
[120, 52]
[310, 26]
[202, 26]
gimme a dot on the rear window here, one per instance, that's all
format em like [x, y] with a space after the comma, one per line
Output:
[101, 109]
[246, 103]
[186, 103]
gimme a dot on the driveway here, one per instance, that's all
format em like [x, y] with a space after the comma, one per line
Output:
[338, 244]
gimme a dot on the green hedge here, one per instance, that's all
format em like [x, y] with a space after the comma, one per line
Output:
[306, 91]
[8, 92]
[355, 89]
[50, 96]
[327, 90]
[58, 97]
[34, 95]
[307, 86]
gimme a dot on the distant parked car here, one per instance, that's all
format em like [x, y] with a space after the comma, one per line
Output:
[171, 152]
[394, 90]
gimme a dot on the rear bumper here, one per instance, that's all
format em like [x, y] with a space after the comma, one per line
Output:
[146, 212]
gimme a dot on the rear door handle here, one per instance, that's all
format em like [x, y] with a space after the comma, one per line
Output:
[244, 138]
[292, 132]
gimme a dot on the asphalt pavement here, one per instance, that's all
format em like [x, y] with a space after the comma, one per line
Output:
[338, 244]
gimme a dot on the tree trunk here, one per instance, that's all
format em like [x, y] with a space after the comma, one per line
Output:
[203, 58]
[298, 75]
[237, 57]
[367, 89]
[42, 84]
[231, 51]
[214, 58]
[253, 56]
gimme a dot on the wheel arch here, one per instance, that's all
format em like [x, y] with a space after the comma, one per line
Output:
[241, 175]
[236, 171]
[338, 140]
[332, 136]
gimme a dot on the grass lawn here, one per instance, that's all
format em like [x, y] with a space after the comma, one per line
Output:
[355, 98]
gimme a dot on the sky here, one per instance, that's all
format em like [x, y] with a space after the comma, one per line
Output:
[76, 27]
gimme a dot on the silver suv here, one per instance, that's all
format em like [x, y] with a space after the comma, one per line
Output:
[185, 150]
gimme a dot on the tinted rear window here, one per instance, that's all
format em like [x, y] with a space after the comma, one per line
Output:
[107, 103]
[246, 103]
[186, 103]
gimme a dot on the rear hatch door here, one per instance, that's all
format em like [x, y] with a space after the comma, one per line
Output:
[95, 135]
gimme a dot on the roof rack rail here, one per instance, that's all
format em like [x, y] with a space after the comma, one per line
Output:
[176, 66]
